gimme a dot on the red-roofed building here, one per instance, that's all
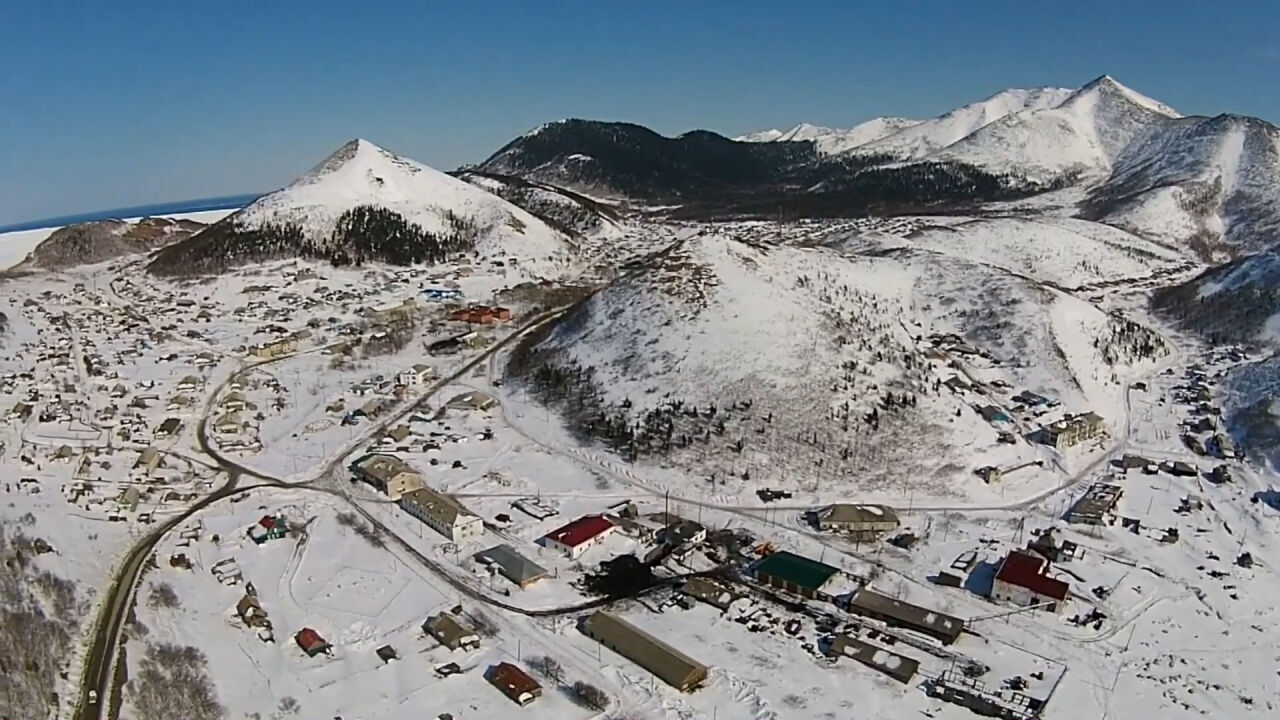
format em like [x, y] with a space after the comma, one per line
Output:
[578, 536]
[1021, 580]
[311, 642]
[514, 683]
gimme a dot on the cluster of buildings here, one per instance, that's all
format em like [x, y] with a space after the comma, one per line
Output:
[481, 315]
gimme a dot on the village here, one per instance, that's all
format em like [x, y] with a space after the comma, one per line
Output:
[462, 556]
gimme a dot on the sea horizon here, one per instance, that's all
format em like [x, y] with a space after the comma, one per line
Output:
[226, 202]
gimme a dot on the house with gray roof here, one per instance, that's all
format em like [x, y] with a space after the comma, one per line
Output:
[512, 565]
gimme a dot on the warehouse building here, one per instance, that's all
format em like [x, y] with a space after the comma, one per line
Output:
[868, 603]
[668, 664]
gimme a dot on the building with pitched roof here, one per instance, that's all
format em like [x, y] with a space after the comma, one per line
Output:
[795, 574]
[441, 513]
[669, 665]
[514, 683]
[1022, 580]
[577, 537]
[512, 565]
[450, 633]
[891, 611]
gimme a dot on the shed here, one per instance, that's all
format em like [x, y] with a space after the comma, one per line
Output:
[386, 653]
[670, 665]
[311, 642]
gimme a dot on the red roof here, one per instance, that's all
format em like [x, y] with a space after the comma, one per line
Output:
[512, 681]
[267, 522]
[579, 531]
[308, 639]
[1027, 571]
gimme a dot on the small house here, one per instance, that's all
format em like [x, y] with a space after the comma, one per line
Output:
[311, 642]
[1022, 580]
[514, 683]
[450, 633]
[864, 521]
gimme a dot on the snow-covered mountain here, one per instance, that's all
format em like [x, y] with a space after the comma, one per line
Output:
[1086, 132]
[922, 139]
[323, 212]
[1208, 187]
[1040, 132]
[833, 141]
[94, 242]
[1215, 181]
[761, 136]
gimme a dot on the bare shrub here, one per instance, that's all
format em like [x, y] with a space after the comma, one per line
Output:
[371, 535]
[590, 696]
[548, 667]
[163, 596]
[38, 619]
[172, 681]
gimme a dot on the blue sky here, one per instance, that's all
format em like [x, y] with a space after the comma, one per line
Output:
[108, 105]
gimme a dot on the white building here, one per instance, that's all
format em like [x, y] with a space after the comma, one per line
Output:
[419, 374]
[577, 537]
[442, 514]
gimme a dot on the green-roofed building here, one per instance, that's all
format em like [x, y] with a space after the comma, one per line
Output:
[794, 573]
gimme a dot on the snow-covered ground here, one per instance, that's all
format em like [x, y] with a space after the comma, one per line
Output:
[791, 333]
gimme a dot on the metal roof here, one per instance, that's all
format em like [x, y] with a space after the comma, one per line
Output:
[935, 624]
[513, 566]
[898, 667]
[579, 531]
[670, 665]
[796, 569]
[1027, 571]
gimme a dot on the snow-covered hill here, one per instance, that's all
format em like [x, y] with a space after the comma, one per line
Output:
[1062, 252]
[783, 354]
[308, 214]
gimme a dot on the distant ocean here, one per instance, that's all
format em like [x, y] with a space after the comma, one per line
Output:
[229, 202]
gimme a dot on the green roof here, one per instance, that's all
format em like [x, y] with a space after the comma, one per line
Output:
[795, 569]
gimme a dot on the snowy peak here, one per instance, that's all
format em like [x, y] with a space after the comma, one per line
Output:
[359, 184]
[761, 136]
[805, 131]
[832, 141]
[1108, 86]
